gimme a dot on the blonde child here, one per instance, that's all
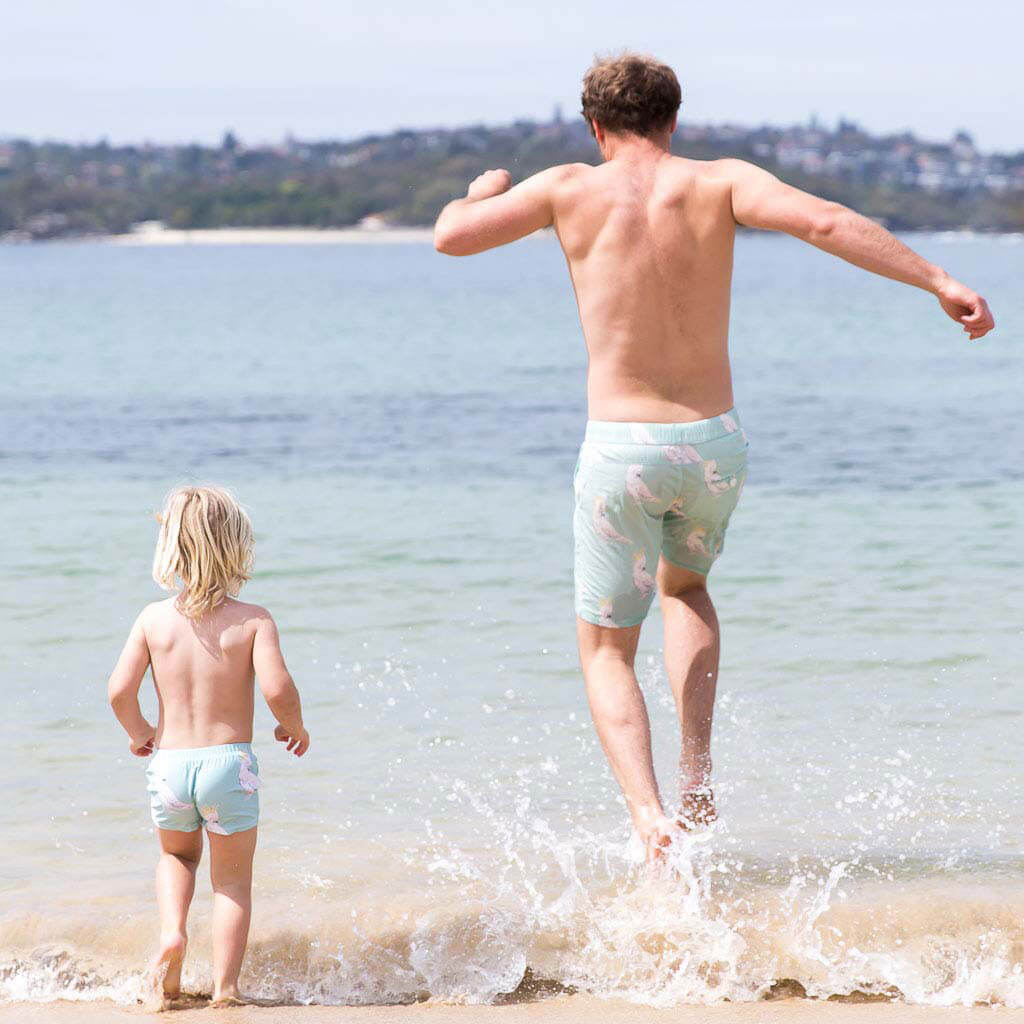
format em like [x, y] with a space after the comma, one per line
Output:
[204, 648]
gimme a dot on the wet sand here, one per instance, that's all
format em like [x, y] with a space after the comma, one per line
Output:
[560, 1010]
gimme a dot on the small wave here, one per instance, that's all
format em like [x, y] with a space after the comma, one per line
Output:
[579, 914]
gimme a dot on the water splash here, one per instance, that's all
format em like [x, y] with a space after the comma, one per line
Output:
[533, 898]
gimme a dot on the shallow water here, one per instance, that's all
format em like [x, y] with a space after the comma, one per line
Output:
[403, 428]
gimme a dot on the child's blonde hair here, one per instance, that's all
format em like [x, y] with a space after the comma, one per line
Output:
[206, 542]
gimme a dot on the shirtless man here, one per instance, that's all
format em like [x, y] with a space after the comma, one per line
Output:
[648, 238]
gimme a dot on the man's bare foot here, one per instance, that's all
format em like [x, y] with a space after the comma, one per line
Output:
[165, 973]
[656, 834]
[697, 809]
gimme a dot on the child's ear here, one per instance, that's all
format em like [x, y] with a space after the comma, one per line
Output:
[159, 517]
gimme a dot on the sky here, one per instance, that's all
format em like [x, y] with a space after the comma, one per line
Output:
[133, 72]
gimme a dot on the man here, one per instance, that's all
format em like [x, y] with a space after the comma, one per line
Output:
[648, 238]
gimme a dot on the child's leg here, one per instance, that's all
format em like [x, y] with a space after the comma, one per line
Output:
[231, 875]
[175, 882]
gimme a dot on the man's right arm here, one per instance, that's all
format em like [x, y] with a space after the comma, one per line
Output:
[495, 212]
[760, 200]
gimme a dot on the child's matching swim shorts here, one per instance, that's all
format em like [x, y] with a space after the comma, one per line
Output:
[212, 786]
[645, 491]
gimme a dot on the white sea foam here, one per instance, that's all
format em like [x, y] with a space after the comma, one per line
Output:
[534, 904]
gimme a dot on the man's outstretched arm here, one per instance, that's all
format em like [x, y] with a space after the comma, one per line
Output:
[760, 200]
[494, 214]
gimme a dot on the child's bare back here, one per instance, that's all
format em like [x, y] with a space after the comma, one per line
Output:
[204, 671]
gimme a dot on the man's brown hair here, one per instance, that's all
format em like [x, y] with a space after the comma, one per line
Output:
[630, 92]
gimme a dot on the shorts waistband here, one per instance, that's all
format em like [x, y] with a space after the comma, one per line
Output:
[608, 432]
[202, 753]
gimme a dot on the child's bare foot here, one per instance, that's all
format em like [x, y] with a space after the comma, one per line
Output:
[697, 809]
[166, 969]
[227, 997]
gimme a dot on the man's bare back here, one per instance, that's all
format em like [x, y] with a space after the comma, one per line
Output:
[649, 238]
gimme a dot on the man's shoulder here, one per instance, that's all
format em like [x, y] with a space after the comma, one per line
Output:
[574, 170]
[724, 170]
[567, 174]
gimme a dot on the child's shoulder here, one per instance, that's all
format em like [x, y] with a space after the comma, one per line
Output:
[157, 610]
[247, 612]
[248, 620]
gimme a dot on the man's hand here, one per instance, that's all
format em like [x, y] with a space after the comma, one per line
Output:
[490, 183]
[297, 739]
[142, 745]
[966, 307]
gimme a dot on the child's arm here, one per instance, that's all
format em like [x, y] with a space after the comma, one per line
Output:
[123, 691]
[278, 687]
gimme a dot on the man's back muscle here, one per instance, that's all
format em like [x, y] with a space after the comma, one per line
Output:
[649, 245]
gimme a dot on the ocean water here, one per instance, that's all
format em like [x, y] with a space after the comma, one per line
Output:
[403, 429]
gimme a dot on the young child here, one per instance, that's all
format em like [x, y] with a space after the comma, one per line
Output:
[204, 648]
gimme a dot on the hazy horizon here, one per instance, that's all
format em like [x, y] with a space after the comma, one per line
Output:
[318, 70]
[253, 143]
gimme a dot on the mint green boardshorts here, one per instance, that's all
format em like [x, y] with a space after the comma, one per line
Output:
[646, 491]
[212, 786]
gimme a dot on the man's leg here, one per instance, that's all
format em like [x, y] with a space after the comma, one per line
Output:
[691, 658]
[620, 715]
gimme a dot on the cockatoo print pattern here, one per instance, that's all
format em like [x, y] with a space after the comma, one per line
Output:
[682, 454]
[603, 524]
[642, 579]
[635, 486]
[211, 816]
[247, 778]
[647, 490]
[695, 541]
[167, 797]
[715, 483]
[605, 610]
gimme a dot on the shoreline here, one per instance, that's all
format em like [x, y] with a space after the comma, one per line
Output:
[271, 236]
[555, 1010]
[364, 236]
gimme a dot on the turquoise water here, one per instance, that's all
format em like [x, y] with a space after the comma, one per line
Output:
[403, 429]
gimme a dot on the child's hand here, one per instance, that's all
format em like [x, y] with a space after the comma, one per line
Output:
[142, 746]
[298, 740]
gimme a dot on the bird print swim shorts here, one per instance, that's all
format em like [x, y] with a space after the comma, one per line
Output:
[211, 786]
[650, 490]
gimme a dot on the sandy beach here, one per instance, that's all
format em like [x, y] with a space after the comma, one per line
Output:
[560, 1010]
[271, 236]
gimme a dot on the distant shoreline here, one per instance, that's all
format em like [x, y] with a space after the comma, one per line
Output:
[361, 236]
[270, 236]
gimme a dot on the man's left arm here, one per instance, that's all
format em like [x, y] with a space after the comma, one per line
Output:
[493, 213]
